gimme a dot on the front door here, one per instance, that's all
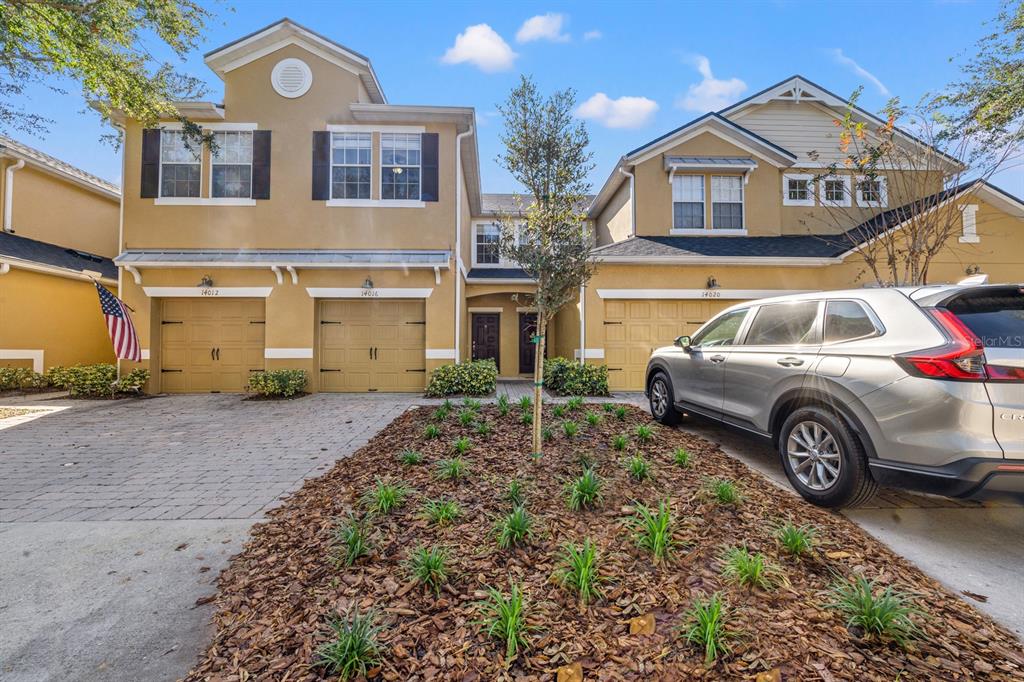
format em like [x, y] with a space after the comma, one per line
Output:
[527, 348]
[486, 329]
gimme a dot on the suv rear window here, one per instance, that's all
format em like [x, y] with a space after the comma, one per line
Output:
[784, 324]
[845, 320]
[996, 317]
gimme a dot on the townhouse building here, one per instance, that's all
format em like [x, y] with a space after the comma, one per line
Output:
[333, 231]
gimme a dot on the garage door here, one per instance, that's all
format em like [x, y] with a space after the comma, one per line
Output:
[210, 345]
[634, 328]
[372, 345]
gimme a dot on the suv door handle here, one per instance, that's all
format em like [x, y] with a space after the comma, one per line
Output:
[717, 359]
[790, 362]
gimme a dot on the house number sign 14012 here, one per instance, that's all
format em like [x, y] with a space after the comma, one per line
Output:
[209, 291]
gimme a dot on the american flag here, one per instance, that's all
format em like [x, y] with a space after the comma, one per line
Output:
[119, 326]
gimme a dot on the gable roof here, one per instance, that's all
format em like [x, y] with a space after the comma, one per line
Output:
[284, 32]
[51, 164]
[14, 248]
[494, 204]
[730, 128]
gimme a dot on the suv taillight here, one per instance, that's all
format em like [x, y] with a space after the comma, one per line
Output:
[962, 359]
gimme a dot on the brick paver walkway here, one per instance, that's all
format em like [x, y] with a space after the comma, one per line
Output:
[178, 457]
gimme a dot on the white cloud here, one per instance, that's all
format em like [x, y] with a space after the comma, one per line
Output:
[543, 27]
[841, 58]
[481, 46]
[624, 112]
[711, 94]
[593, 35]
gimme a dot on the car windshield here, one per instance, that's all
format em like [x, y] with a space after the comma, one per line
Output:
[995, 316]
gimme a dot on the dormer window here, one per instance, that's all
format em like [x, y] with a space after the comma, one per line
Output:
[180, 167]
[797, 189]
[872, 192]
[400, 166]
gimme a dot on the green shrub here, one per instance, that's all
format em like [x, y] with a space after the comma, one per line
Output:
[886, 614]
[621, 412]
[354, 649]
[546, 434]
[644, 433]
[483, 429]
[526, 418]
[566, 377]
[278, 383]
[15, 378]
[620, 442]
[462, 445]
[478, 377]
[471, 404]
[96, 381]
[441, 413]
[723, 490]
[525, 403]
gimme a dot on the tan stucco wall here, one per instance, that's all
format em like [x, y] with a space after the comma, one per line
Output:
[57, 315]
[615, 222]
[56, 211]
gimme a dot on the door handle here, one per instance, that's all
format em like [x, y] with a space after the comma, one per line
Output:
[218, 355]
[717, 359]
[212, 354]
[790, 362]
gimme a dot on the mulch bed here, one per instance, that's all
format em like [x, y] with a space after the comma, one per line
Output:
[276, 596]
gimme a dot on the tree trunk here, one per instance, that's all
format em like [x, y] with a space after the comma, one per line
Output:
[538, 379]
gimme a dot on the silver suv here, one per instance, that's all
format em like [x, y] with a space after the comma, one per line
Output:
[920, 388]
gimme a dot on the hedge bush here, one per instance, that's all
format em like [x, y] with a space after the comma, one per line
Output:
[15, 378]
[469, 378]
[96, 381]
[278, 383]
[567, 377]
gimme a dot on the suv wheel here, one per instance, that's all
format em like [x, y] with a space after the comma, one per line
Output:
[661, 397]
[823, 459]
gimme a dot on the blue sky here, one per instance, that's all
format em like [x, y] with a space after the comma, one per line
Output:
[639, 69]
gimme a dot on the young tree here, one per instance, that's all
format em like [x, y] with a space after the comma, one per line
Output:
[546, 152]
[101, 45]
[897, 202]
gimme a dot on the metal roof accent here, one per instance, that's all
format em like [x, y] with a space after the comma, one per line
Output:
[498, 275]
[308, 258]
[33, 251]
[745, 163]
[19, 150]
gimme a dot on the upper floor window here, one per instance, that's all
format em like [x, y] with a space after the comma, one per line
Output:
[871, 192]
[835, 191]
[488, 238]
[400, 166]
[726, 202]
[688, 202]
[351, 156]
[797, 190]
[180, 167]
[231, 165]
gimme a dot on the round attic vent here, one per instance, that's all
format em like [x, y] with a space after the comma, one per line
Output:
[291, 77]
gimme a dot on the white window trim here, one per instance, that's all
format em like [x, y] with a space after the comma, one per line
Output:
[209, 182]
[704, 204]
[203, 201]
[847, 198]
[371, 128]
[503, 262]
[375, 203]
[969, 220]
[743, 207]
[160, 175]
[380, 179]
[357, 165]
[884, 191]
[786, 201]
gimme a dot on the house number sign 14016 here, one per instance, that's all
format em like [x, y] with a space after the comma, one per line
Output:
[371, 293]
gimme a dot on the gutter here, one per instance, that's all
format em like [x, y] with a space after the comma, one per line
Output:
[711, 260]
[632, 200]
[460, 266]
[9, 193]
[7, 262]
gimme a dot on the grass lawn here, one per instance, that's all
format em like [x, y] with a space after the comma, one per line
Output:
[441, 550]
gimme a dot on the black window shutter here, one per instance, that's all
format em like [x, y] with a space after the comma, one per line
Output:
[150, 181]
[428, 169]
[321, 165]
[261, 164]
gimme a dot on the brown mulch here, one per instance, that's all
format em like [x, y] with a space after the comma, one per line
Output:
[276, 596]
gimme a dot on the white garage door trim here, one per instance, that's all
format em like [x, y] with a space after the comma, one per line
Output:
[743, 294]
[36, 356]
[208, 292]
[359, 292]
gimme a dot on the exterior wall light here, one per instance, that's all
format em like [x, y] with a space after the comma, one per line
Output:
[206, 282]
[712, 282]
[368, 283]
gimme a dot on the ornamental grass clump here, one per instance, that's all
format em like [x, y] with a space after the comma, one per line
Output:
[585, 491]
[644, 433]
[558, 411]
[467, 417]
[472, 404]
[579, 571]
[796, 540]
[705, 627]
[503, 405]
[574, 403]
[681, 457]
[483, 429]
[440, 414]
[620, 442]
[384, 496]
[608, 407]
[885, 614]
[504, 618]
[526, 418]
[462, 445]
[593, 418]
[429, 566]
[652, 530]
[432, 431]
[440, 512]
[516, 492]
[620, 412]
[353, 649]
[525, 403]
[410, 457]
[546, 434]
[750, 570]
[514, 528]
[453, 469]
[351, 540]
[638, 467]
[570, 428]
[723, 490]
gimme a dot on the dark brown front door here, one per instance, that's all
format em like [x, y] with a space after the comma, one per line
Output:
[527, 348]
[485, 336]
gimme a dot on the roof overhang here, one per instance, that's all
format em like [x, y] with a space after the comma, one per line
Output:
[763, 261]
[44, 268]
[58, 172]
[709, 163]
[307, 259]
[286, 32]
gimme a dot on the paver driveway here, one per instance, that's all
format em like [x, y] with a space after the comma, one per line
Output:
[115, 517]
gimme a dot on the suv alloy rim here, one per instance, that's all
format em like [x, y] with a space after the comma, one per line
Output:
[813, 455]
[659, 397]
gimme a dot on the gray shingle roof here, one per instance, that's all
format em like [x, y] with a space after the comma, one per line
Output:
[19, 149]
[23, 248]
[325, 257]
[493, 204]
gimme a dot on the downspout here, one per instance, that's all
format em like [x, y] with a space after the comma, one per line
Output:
[120, 232]
[5, 268]
[458, 239]
[583, 324]
[9, 194]
[632, 201]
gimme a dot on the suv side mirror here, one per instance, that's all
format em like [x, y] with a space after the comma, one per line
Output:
[683, 342]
